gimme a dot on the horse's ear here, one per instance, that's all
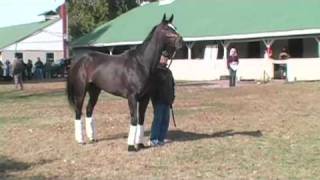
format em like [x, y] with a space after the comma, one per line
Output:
[164, 18]
[171, 19]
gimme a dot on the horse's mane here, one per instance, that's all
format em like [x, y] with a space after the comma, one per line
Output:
[140, 47]
[148, 38]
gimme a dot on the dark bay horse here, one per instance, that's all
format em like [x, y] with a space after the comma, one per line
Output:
[124, 75]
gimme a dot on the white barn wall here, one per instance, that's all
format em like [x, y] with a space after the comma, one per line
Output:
[303, 69]
[49, 38]
[220, 68]
[249, 69]
[197, 70]
[258, 69]
[192, 70]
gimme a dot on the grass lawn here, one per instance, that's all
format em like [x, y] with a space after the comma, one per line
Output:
[268, 131]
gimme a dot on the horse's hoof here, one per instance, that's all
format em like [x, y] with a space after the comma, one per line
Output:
[141, 146]
[131, 148]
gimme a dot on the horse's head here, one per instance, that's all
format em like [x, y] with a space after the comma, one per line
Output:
[168, 34]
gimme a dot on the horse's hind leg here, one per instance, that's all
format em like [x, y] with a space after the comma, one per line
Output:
[132, 101]
[78, 124]
[140, 128]
[94, 92]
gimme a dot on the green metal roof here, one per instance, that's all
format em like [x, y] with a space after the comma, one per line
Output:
[12, 34]
[211, 20]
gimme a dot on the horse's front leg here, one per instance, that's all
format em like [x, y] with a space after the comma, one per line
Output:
[142, 106]
[132, 102]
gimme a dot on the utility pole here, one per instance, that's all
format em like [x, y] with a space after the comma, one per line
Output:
[65, 29]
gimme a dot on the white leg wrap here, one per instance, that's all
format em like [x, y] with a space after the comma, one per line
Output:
[140, 134]
[91, 128]
[132, 135]
[78, 131]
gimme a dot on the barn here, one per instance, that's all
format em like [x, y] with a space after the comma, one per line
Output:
[258, 29]
[28, 41]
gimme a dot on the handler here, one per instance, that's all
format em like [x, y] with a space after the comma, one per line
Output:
[162, 95]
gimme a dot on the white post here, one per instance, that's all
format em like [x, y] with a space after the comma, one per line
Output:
[268, 43]
[110, 50]
[318, 41]
[225, 45]
[189, 46]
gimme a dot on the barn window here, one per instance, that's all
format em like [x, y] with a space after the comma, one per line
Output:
[254, 50]
[18, 55]
[49, 57]
[220, 51]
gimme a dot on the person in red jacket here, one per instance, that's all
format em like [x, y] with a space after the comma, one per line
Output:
[232, 64]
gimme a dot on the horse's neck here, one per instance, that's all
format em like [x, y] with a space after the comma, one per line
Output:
[150, 54]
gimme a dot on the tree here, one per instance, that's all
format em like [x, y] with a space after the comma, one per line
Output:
[85, 15]
[118, 7]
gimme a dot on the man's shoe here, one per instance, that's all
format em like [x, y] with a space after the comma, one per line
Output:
[154, 143]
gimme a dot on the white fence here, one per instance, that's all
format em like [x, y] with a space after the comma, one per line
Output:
[303, 69]
[257, 69]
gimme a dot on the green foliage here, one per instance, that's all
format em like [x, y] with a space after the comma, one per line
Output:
[118, 7]
[86, 15]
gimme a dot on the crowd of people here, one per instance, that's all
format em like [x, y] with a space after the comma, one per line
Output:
[31, 71]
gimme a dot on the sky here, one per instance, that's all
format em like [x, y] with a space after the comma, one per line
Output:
[14, 12]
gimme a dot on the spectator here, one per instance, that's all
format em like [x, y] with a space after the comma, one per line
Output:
[284, 54]
[29, 69]
[18, 69]
[1, 69]
[7, 72]
[48, 68]
[232, 64]
[39, 69]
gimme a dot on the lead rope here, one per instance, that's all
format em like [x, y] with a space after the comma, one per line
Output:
[171, 59]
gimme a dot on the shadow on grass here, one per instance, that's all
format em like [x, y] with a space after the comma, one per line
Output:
[179, 135]
[21, 95]
[42, 94]
[8, 166]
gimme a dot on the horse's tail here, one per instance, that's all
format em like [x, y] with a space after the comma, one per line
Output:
[70, 89]
[76, 81]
